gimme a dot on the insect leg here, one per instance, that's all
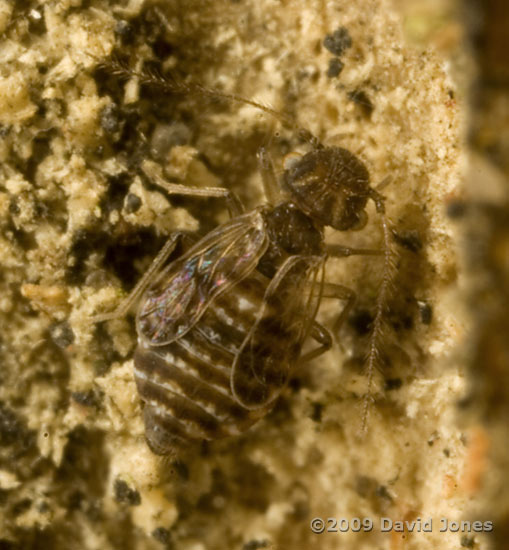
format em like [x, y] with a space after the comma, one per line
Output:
[319, 333]
[269, 180]
[142, 284]
[233, 202]
[340, 292]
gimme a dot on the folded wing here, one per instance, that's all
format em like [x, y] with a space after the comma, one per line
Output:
[273, 345]
[182, 292]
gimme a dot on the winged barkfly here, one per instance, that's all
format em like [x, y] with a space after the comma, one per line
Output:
[221, 328]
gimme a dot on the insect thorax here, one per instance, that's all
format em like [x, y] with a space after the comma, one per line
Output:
[290, 233]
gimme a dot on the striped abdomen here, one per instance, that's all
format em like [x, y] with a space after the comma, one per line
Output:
[186, 385]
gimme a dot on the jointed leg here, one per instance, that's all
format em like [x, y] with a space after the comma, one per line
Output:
[269, 180]
[323, 337]
[340, 292]
[233, 202]
[319, 332]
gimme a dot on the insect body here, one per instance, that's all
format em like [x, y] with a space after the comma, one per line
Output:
[217, 338]
[221, 328]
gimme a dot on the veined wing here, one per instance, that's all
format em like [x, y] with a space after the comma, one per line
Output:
[273, 345]
[184, 289]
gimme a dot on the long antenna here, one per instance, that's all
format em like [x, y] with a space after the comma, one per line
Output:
[173, 85]
[376, 339]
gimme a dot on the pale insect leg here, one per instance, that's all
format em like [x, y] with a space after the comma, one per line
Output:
[269, 180]
[320, 333]
[331, 290]
[340, 292]
[232, 201]
[143, 283]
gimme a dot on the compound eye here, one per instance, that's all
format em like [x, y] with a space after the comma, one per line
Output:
[361, 222]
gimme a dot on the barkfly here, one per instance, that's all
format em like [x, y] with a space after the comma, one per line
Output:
[221, 328]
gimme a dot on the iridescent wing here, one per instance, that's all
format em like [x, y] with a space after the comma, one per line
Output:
[182, 292]
[273, 345]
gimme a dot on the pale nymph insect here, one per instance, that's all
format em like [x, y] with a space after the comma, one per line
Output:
[221, 328]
